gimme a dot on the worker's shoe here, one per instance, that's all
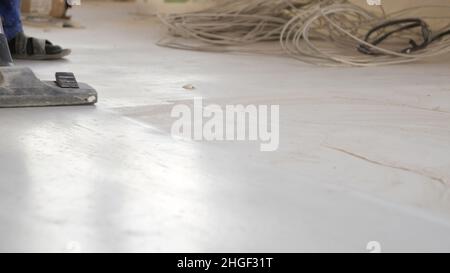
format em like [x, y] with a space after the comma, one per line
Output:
[29, 48]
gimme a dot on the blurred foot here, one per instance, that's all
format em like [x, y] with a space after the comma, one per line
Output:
[29, 48]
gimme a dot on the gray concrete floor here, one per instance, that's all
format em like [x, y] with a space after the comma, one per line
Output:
[364, 153]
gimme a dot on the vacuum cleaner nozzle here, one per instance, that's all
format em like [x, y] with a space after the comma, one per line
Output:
[19, 87]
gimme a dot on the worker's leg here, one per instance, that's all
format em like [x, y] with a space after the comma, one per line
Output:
[10, 13]
[20, 45]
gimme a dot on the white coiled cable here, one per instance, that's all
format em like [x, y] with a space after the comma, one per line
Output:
[323, 32]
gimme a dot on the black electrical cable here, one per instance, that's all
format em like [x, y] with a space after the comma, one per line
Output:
[440, 36]
[403, 24]
[410, 24]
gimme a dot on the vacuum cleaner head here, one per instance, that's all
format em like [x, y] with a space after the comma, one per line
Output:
[19, 87]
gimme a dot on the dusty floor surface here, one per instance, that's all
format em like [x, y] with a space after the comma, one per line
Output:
[364, 154]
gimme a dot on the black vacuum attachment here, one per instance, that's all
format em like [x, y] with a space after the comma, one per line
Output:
[19, 87]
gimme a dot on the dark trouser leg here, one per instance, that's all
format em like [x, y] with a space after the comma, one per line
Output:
[10, 13]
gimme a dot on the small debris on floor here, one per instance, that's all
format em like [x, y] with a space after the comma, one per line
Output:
[189, 87]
